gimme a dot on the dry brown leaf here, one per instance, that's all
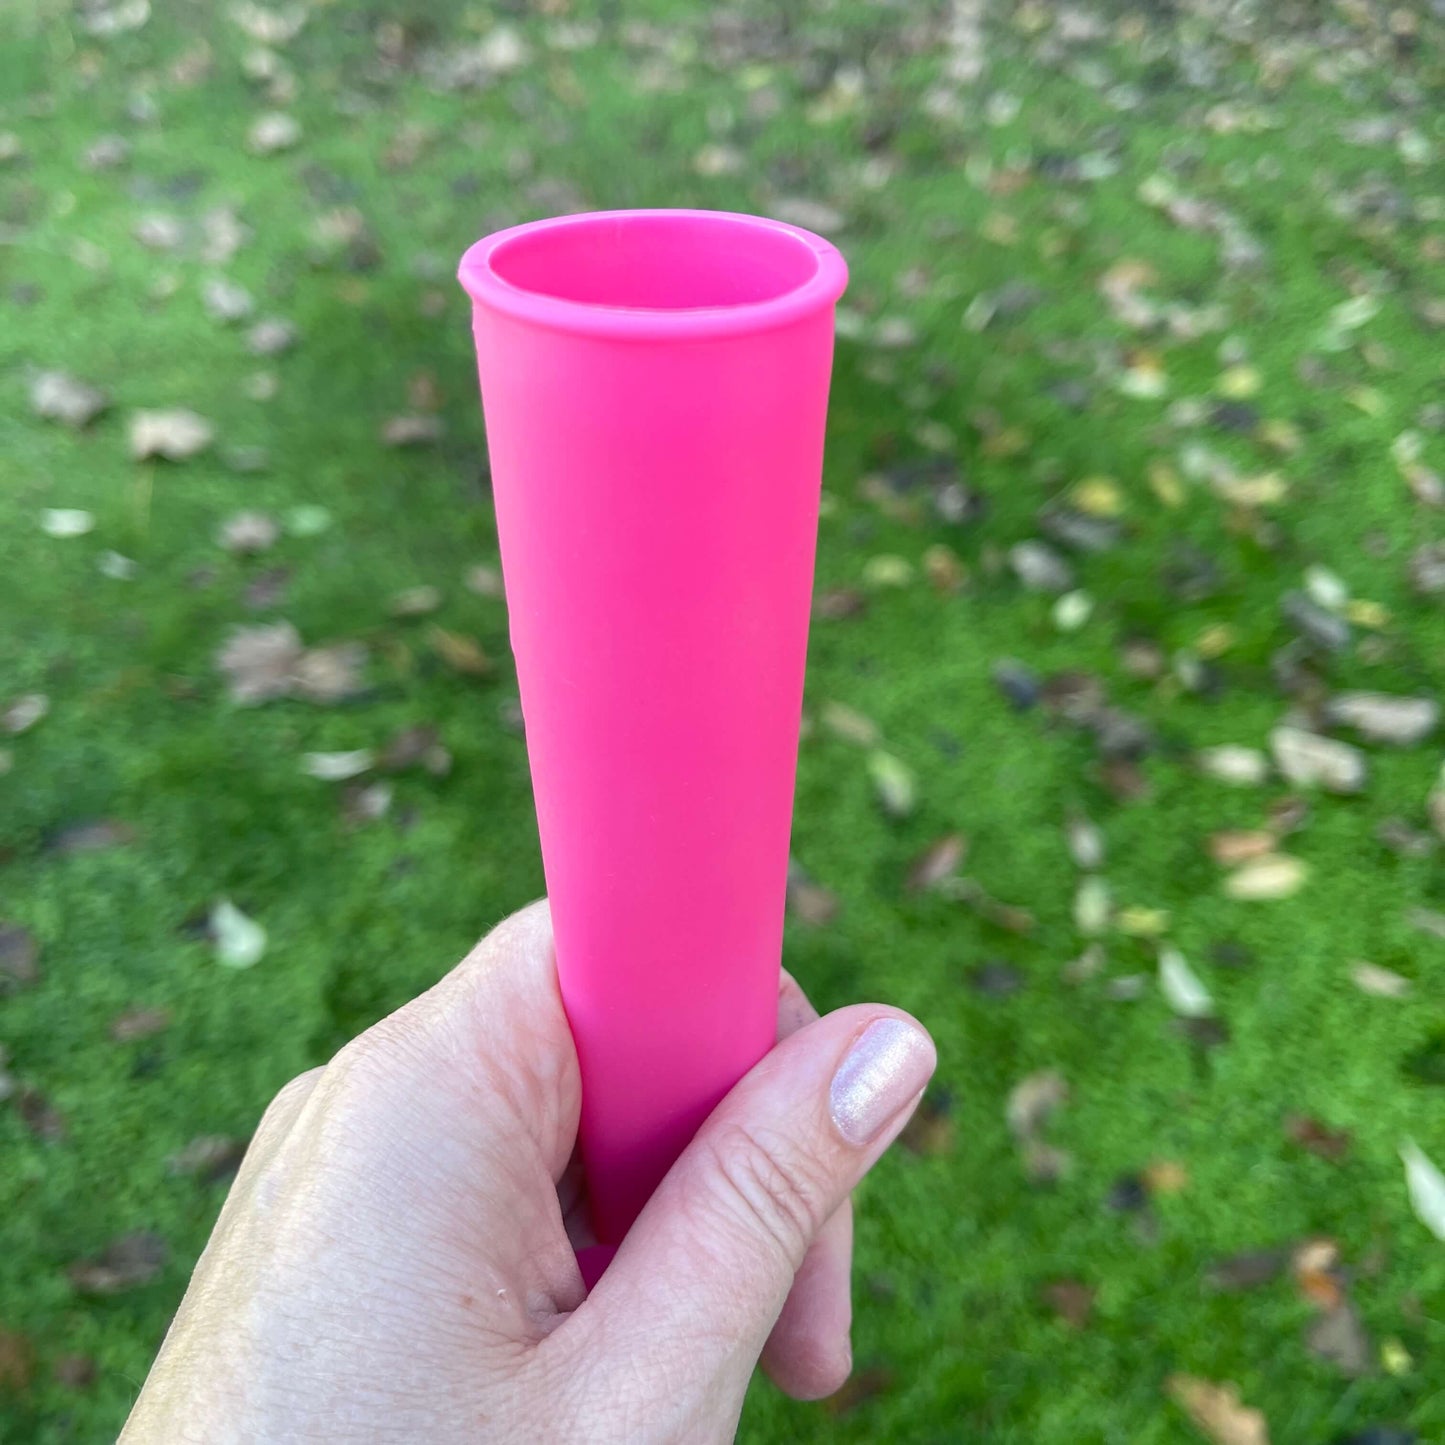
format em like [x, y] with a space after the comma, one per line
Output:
[941, 859]
[1217, 1411]
[19, 957]
[40, 1116]
[1310, 1133]
[930, 1129]
[17, 1362]
[412, 429]
[210, 1157]
[128, 1261]
[809, 902]
[1231, 848]
[139, 1023]
[1033, 1099]
[1166, 1176]
[1071, 1300]
[1316, 1267]
[94, 835]
[459, 652]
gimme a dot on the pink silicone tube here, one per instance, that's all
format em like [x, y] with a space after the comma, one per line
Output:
[655, 385]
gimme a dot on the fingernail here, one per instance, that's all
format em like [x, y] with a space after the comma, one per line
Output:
[884, 1072]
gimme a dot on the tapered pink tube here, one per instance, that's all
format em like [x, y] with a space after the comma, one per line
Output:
[655, 385]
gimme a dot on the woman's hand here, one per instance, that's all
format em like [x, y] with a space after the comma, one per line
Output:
[394, 1262]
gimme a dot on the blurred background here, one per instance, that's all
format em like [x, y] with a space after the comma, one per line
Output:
[1121, 766]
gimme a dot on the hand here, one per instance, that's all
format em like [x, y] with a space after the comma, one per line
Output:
[396, 1259]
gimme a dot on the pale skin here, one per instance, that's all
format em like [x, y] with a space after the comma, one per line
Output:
[396, 1259]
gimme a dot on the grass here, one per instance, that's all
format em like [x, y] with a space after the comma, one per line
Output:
[955, 1245]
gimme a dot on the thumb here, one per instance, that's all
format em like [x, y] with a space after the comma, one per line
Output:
[701, 1278]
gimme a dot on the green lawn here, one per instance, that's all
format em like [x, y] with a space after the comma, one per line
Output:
[1102, 247]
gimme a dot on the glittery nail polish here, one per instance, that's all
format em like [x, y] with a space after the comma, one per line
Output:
[884, 1071]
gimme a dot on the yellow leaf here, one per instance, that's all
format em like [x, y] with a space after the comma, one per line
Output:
[1165, 484]
[1239, 383]
[1098, 497]
[1142, 922]
[1364, 613]
[1215, 641]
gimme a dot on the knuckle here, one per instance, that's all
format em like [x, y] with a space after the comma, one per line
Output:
[773, 1190]
[282, 1109]
[371, 1058]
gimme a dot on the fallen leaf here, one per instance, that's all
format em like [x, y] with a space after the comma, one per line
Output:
[484, 580]
[1339, 1338]
[24, 712]
[1217, 1411]
[1230, 849]
[210, 1156]
[93, 835]
[1276, 875]
[225, 300]
[1183, 990]
[941, 859]
[40, 1116]
[415, 601]
[273, 131]
[1426, 1188]
[1071, 1300]
[1383, 718]
[1247, 1270]
[337, 767]
[929, 1130]
[240, 941]
[1040, 568]
[19, 958]
[1033, 1100]
[75, 1372]
[835, 603]
[412, 430]
[995, 978]
[330, 674]
[1166, 1176]
[365, 803]
[1230, 763]
[59, 396]
[308, 519]
[1427, 920]
[266, 24]
[943, 569]
[461, 653]
[260, 662]
[809, 902]
[1381, 982]
[174, 434]
[893, 783]
[126, 1262]
[1093, 906]
[1310, 1133]
[65, 522]
[1085, 842]
[849, 724]
[17, 1362]
[859, 1388]
[139, 1023]
[1309, 761]
[248, 532]
[270, 337]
